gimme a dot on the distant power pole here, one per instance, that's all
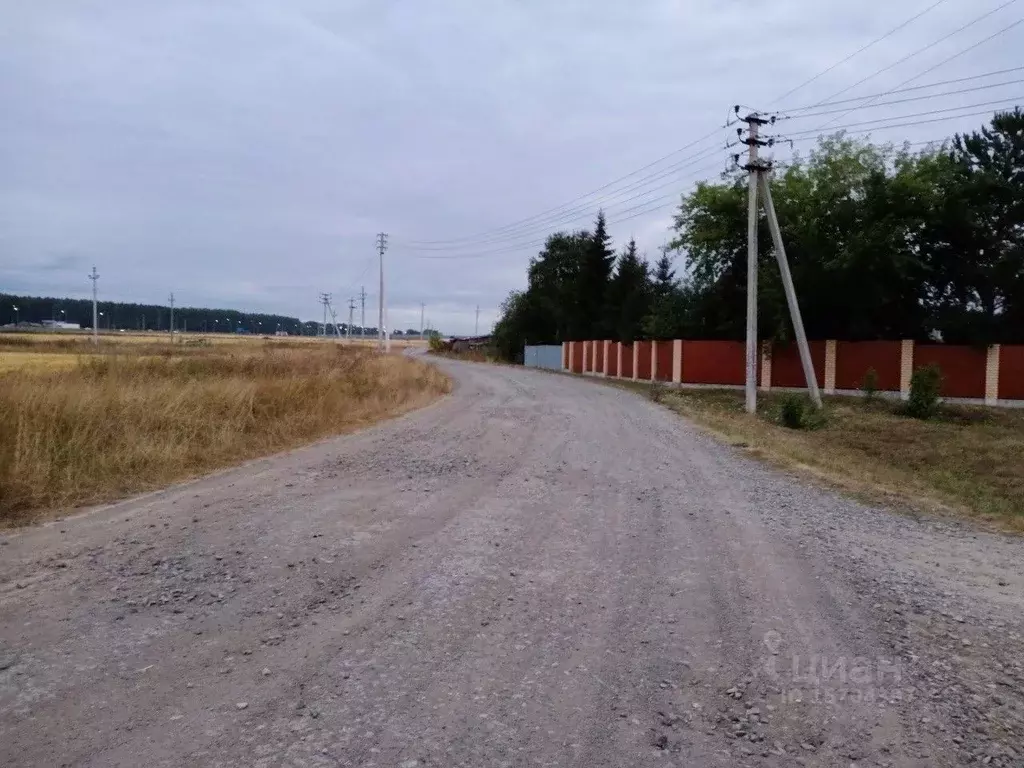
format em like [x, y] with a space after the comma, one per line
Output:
[362, 319]
[351, 311]
[382, 334]
[325, 299]
[95, 327]
[476, 328]
[170, 299]
[423, 308]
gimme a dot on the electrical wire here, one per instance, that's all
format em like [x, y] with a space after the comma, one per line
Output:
[549, 217]
[894, 91]
[586, 209]
[897, 125]
[638, 210]
[921, 50]
[556, 208]
[878, 104]
[859, 51]
[945, 61]
[997, 103]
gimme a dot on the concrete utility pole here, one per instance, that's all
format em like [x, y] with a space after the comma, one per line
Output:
[476, 328]
[94, 276]
[753, 167]
[362, 317]
[171, 326]
[382, 334]
[758, 171]
[423, 308]
[351, 312]
[787, 283]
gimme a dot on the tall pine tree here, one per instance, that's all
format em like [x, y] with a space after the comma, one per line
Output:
[629, 295]
[590, 319]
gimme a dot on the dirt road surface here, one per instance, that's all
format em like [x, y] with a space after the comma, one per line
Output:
[536, 571]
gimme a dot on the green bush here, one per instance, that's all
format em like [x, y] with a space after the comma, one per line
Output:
[925, 384]
[796, 412]
[435, 342]
[870, 385]
[793, 412]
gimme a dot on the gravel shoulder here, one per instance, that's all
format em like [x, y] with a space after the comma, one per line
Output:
[533, 571]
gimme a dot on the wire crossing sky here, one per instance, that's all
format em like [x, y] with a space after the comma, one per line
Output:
[245, 153]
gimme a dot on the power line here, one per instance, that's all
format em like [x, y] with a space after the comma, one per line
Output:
[894, 91]
[905, 125]
[919, 51]
[876, 105]
[528, 219]
[1000, 102]
[497, 234]
[945, 61]
[859, 51]
[582, 211]
[647, 207]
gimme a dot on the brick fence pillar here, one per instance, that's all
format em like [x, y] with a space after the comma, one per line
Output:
[830, 367]
[636, 360]
[677, 361]
[618, 358]
[766, 366]
[586, 348]
[992, 375]
[572, 356]
[654, 360]
[604, 358]
[906, 366]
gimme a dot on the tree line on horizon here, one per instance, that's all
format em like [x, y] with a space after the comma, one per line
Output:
[153, 317]
[883, 243]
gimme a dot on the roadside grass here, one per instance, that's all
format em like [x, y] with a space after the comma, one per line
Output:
[140, 416]
[968, 460]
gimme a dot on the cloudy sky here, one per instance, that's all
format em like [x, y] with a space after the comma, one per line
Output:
[244, 153]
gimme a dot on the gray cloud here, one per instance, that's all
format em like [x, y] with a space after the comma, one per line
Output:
[245, 153]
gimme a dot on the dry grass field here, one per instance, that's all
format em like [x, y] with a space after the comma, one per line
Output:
[81, 424]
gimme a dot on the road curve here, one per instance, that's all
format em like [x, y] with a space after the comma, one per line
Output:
[536, 571]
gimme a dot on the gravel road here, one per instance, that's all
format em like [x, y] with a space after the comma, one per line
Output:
[536, 571]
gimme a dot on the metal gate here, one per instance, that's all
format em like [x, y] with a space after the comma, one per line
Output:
[544, 356]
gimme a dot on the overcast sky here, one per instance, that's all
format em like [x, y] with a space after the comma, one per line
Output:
[244, 153]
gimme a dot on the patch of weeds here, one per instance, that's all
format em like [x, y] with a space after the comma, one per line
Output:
[797, 412]
[656, 392]
[870, 385]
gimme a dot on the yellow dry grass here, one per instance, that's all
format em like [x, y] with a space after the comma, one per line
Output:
[132, 417]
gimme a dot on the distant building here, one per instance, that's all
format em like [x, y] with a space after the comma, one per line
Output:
[60, 325]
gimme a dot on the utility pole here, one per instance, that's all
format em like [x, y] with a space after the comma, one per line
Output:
[94, 276]
[787, 283]
[382, 334]
[171, 326]
[758, 178]
[362, 318]
[476, 328]
[325, 299]
[753, 168]
[423, 308]
[351, 311]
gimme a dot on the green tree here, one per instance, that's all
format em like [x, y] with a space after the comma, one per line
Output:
[590, 319]
[629, 295]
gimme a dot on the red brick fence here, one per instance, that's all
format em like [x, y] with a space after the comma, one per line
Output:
[989, 374]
